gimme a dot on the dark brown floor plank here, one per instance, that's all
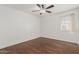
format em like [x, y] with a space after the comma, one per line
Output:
[42, 46]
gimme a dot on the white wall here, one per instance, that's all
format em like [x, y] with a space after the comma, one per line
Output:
[51, 27]
[17, 26]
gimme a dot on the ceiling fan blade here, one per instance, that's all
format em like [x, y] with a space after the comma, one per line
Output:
[50, 6]
[38, 5]
[35, 10]
[48, 11]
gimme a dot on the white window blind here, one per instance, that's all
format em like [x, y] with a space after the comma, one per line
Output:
[67, 23]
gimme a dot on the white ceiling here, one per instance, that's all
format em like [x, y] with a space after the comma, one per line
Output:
[30, 7]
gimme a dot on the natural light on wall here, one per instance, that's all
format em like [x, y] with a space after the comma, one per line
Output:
[68, 23]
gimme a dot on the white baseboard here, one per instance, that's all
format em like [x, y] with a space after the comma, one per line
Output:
[18, 41]
[57, 38]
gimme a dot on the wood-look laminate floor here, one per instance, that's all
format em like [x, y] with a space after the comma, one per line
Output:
[42, 46]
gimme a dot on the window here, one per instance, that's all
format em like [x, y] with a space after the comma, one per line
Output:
[67, 23]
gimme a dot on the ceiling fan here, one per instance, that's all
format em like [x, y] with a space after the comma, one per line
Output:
[43, 8]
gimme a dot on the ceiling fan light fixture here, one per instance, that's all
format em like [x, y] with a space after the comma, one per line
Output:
[42, 11]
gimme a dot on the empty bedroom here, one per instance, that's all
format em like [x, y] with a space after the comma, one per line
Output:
[39, 28]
